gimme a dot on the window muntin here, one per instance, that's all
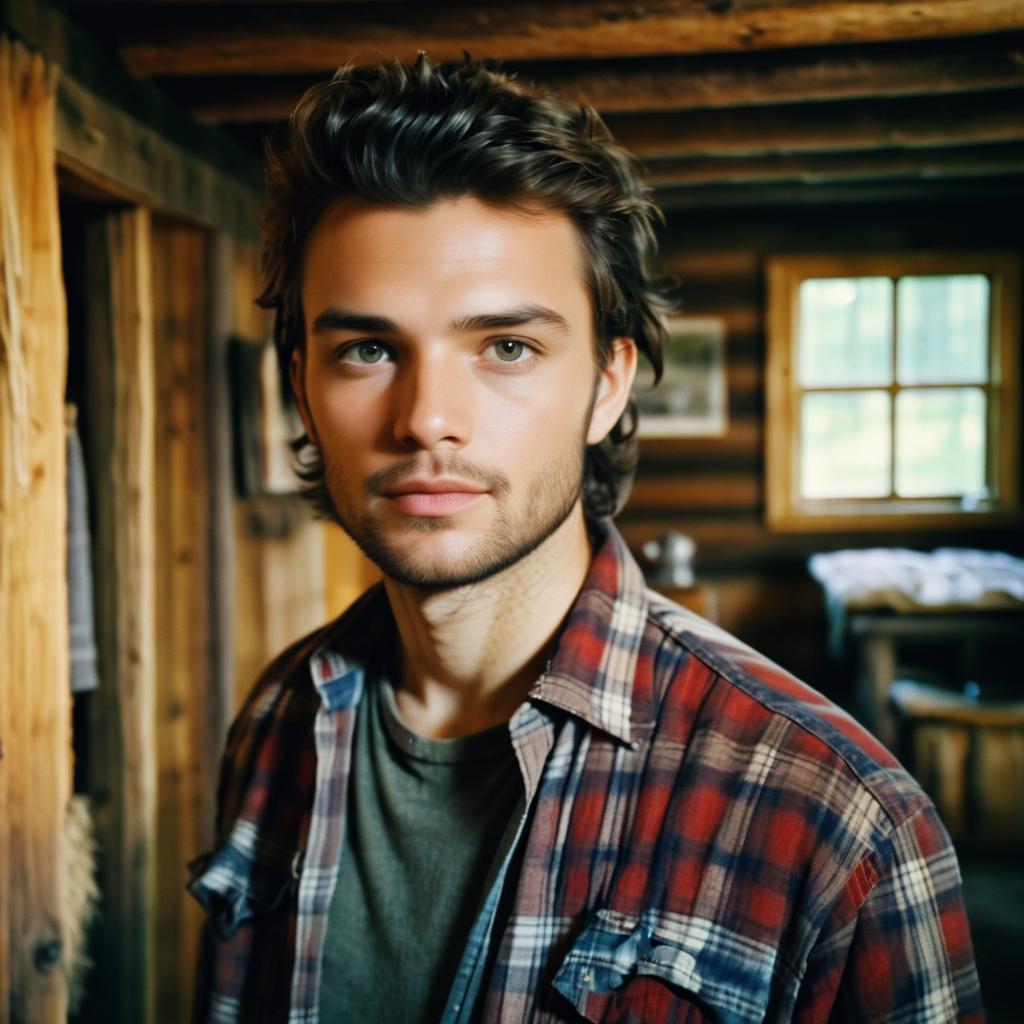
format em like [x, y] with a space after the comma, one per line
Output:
[903, 334]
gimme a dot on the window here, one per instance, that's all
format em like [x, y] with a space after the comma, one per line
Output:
[893, 386]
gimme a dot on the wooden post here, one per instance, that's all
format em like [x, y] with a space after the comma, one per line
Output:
[184, 746]
[220, 703]
[123, 743]
[34, 686]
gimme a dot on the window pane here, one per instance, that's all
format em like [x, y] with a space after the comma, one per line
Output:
[845, 331]
[845, 445]
[940, 442]
[943, 329]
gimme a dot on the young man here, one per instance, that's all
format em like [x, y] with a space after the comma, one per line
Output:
[511, 783]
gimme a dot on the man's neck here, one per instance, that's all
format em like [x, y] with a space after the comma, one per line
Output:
[471, 654]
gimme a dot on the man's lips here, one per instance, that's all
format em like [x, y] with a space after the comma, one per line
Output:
[434, 497]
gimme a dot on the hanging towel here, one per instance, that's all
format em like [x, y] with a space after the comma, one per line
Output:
[84, 675]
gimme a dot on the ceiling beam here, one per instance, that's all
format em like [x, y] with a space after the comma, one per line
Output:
[846, 125]
[317, 38]
[796, 194]
[759, 79]
[693, 83]
[123, 137]
[830, 168]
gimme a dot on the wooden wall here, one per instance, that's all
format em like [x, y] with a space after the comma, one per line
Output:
[279, 573]
[713, 489]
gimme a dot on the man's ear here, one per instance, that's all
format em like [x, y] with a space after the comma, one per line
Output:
[298, 376]
[615, 382]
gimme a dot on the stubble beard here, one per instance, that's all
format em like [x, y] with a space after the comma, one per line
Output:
[513, 535]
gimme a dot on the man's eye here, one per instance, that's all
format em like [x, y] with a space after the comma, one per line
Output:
[509, 350]
[364, 353]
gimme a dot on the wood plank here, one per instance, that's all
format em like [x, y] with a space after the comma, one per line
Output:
[185, 759]
[694, 82]
[816, 127]
[221, 522]
[695, 491]
[740, 443]
[284, 40]
[99, 141]
[975, 221]
[121, 452]
[826, 168]
[927, 194]
[130, 136]
[714, 81]
[679, 257]
[35, 740]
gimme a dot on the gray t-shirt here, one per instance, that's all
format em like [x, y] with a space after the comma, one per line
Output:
[424, 825]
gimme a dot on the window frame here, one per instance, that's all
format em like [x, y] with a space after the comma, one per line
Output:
[785, 509]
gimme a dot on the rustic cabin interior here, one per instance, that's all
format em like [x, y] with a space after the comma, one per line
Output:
[831, 469]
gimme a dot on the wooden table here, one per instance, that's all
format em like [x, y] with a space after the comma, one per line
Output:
[876, 637]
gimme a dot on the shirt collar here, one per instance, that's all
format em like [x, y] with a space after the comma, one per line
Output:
[590, 675]
[338, 665]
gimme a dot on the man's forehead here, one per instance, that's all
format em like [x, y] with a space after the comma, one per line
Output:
[460, 242]
[462, 228]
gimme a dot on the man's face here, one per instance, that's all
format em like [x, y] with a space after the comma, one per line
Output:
[450, 381]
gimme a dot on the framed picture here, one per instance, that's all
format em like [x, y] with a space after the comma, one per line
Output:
[689, 401]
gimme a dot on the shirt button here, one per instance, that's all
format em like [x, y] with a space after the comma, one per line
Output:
[586, 974]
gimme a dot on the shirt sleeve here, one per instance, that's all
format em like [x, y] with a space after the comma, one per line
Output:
[897, 945]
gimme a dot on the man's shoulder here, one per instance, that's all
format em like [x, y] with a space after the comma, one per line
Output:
[742, 709]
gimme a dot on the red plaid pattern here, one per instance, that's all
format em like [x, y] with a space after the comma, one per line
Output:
[706, 838]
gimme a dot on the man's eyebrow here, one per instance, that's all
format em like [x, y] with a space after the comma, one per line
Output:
[511, 318]
[337, 319]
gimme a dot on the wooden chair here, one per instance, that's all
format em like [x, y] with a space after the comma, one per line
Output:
[968, 754]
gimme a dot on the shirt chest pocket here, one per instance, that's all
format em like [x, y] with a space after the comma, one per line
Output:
[665, 967]
[234, 889]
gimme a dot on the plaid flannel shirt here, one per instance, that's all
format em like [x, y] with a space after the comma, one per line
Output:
[705, 839]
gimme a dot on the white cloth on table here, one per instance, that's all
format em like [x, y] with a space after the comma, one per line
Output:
[907, 580]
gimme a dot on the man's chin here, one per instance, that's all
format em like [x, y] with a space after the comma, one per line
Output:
[440, 569]
[450, 561]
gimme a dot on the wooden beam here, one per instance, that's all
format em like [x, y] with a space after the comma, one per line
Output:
[282, 40]
[696, 491]
[847, 125]
[35, 721]
[125, 136]
[711, 81]
[690, 82]
[795, 194]
[99, 142]
[825, 168]
[123, 743]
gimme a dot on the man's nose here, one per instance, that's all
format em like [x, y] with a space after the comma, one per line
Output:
[433, 406]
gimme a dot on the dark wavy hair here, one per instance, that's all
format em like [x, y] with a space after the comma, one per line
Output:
[411, 135]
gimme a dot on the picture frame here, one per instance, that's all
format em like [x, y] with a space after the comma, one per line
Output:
[690, 399]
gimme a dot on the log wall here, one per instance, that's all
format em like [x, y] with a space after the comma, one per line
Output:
[713, 488]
